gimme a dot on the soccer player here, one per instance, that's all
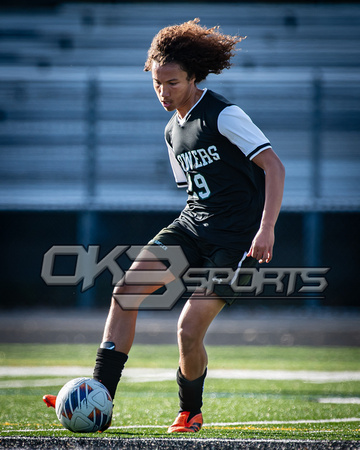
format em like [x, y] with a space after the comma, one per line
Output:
[235, 184]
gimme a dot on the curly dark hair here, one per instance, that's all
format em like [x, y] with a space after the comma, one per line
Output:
[198, 50]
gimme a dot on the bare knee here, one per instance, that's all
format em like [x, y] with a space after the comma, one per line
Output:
[188, 338]
[133, 281]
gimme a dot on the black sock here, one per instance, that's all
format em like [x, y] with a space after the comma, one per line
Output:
[190, 393]
[108, 368]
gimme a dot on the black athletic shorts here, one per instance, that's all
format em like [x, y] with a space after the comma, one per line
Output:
[203, 255]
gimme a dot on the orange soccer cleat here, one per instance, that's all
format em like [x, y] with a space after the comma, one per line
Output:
[183, 425]
[50, 400]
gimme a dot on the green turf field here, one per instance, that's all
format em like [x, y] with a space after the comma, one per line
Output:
[233, 408]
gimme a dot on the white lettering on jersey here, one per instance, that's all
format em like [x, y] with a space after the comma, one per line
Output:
[205, 158]
[213, 152]
[197, 162]
[185, 161]
[198, 158]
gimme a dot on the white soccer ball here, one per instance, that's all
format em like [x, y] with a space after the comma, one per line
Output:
[84, 405]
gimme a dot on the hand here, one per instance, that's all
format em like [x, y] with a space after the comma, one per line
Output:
[262, 245]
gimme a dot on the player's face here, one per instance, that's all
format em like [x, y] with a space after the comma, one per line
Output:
[173, 87]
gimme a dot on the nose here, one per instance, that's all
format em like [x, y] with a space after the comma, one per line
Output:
[163, 91]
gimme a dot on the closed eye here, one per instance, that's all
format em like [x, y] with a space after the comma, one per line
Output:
[171, 83]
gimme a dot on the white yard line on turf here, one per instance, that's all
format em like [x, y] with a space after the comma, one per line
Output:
[214, 424]
[339, 400]
[38, 371]
[32, 383]
[282, 422]
[150, 374]
[258, 422]
[9, 384]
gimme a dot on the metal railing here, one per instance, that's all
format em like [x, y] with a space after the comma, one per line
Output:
[74, 139]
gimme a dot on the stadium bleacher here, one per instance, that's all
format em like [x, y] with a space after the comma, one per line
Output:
[81, 128]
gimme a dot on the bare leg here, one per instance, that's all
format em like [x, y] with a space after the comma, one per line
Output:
[120, 327]
[195, 318]
[120, 324]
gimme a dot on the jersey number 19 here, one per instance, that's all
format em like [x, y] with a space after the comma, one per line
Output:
[200, 182]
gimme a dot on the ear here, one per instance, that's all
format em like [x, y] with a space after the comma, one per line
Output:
[192, 79]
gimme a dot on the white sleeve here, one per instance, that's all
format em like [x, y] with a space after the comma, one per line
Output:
[179, 174]
[236, 125]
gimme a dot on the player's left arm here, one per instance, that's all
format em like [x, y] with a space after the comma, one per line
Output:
[263, 242]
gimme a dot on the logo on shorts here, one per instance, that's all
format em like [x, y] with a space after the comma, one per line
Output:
[159, 243]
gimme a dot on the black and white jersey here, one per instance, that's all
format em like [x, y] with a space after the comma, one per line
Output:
[210, 152]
